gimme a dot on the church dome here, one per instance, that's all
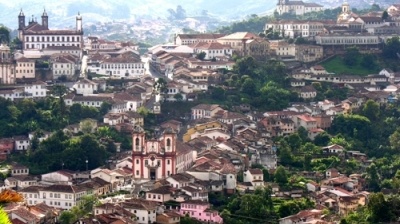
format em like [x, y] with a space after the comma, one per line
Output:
[4, 47]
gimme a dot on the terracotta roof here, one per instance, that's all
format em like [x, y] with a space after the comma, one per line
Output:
[210, 46]
[63, 188]
[306, 118]
[308, 89]
[190, 189]
[24, 214]
[239, 36]
[371, 19]
[228, 168]
[139, 204]
[32, 189]
[161, 190]
[23, 59]
[256, 171]
[318, 67]
[171, 214]
[196, 202]
[182, 177]
[62, 48]
[203, 36]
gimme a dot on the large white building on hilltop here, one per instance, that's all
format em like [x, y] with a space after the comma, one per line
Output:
[39, 36]
[297, 7]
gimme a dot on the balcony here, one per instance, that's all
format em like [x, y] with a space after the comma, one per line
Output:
[153, 165]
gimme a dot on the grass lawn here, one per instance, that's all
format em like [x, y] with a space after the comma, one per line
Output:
[336, 65]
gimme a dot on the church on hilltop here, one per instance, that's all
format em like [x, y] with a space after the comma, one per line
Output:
[35, 36]
[297, 7]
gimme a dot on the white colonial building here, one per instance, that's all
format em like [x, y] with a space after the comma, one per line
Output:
[347, 39]
[87, 87]
[39, 36]
[22, 143]
[125, 65]
[189, 39]
[295, 28]
[212, 50]
[297, 7]
[57, 196]
[64, 65]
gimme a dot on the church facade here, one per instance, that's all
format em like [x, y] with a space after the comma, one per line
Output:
[154, 159]
[7, 65]
[297, 7]
[38, 36]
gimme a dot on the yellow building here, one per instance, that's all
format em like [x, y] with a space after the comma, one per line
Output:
[201, 128]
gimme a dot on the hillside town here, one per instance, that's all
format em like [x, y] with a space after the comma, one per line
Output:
[296, 124]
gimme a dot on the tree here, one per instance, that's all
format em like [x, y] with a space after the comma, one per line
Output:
[372, 177]
[371, 110]
[245, 66]
[300, 40]
[375, 8]
[67, 217]
[75, 113]
[368, 61]
[160, 86]
[86, 126]
[322, 139]
[351, 56]
[281, 176]
[201, 56]
[385, 15]
[292, 207]
[143, 111]
[249, 87]
[4, 35]
[294, 141]
[59, 91]
[178, 97]
[391, 48]
[378, 208]
[187, 220]
[104, 108]
[285, 154]
[354, 126]
[218, 93]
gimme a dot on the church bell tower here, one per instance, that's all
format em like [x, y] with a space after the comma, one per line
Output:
[21, 24]
[45, 20]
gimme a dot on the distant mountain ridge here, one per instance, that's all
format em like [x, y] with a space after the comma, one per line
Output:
[63, 12]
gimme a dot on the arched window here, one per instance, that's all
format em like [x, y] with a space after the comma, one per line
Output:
[137, 143]
[168, 142]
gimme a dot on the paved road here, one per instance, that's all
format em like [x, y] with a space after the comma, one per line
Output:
[150, 70]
